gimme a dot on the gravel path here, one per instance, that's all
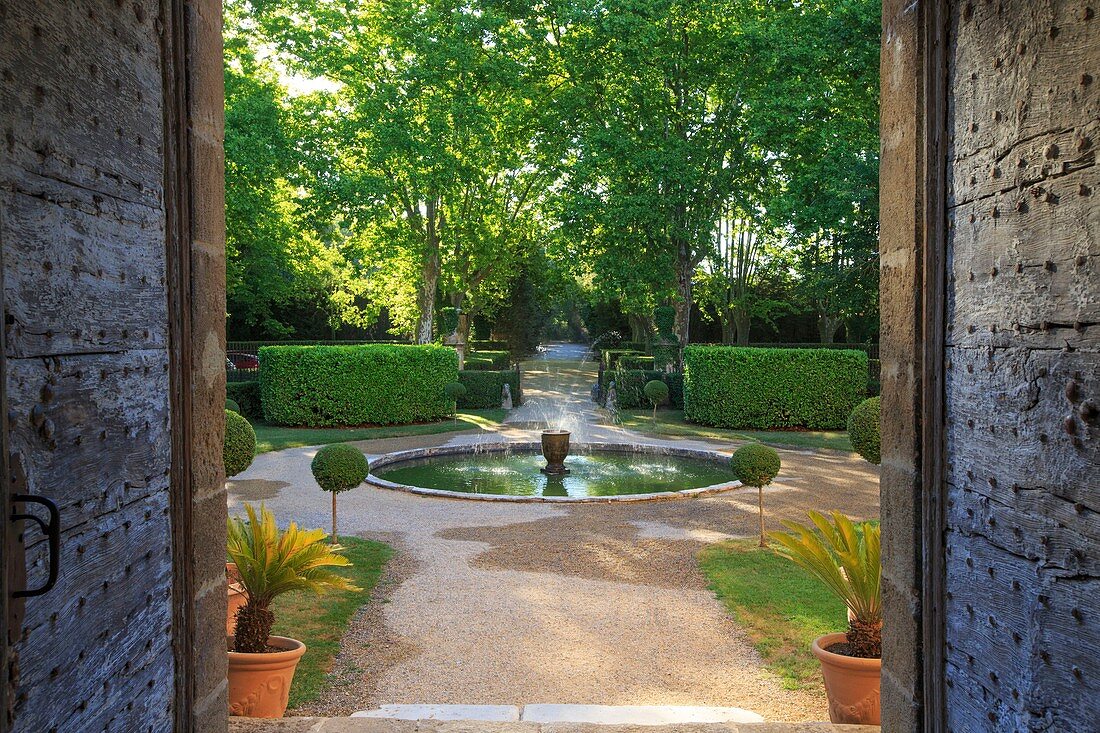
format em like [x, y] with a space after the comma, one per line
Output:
[514, 604]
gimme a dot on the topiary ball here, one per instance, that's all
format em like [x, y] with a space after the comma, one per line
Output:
[863, 429]
[755, 464]
[656, 391]
[454, 391]
[339, 467]
[232, 406]
[240, 444]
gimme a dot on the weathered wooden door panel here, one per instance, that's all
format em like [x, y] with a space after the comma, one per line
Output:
[87, 377]
[1022, 365]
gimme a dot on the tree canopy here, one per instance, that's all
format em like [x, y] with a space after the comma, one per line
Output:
[386, 159]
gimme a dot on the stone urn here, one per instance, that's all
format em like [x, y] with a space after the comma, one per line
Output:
[851, 683]
[555, 448]
[259, 684]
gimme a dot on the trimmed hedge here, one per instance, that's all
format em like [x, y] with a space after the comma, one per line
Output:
[483, 388]
[630, 387]
[491, 360]
[610, 357]
[636, 362]
[762, 388]
[247, 397]
[374, 384]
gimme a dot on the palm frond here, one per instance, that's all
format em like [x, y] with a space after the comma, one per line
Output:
[273, 562]
[844, 556]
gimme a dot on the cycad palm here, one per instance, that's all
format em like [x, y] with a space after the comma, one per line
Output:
[272, 562]
[846, 558]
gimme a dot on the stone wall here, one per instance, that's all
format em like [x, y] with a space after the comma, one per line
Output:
[900, 246]
[1022, 367]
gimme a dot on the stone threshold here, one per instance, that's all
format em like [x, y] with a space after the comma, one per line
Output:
[391, 725]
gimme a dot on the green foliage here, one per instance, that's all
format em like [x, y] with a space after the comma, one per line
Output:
[755, 464]
[493, 360]
[239, 447]
[664, 317]
[656, 391]
[745, 387]
[272, 562]
[448, 321]
[846, 558]
[666, 357]
[863, 430]
[232, 406]
[247, 397]
[339, 467]
[483, 388]
[321, 386]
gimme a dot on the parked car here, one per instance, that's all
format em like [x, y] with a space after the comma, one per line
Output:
[229, 365]
[242, 360]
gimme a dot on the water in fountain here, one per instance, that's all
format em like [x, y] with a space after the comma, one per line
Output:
[566, 402]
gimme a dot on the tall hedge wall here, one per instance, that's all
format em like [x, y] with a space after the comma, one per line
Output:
[483, 388]
[375, 384]
[748, 387]
[491, 360]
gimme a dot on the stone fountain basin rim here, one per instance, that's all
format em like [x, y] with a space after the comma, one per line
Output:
[390, 459]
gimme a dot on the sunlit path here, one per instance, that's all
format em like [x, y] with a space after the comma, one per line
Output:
[504, 604]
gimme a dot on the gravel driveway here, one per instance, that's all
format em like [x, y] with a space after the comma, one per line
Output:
[495, 603]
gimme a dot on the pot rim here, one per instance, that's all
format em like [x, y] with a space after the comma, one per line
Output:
[555, 431]
[856, 664]
[292, 652]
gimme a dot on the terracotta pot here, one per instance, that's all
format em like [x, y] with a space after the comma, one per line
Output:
[259, 684]
[851, 683]
[237, 598]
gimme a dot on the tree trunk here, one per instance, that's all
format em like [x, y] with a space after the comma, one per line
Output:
[685, 270]
[763, 542]
[827, 327]
[742, 322]
[429, 281]
[639, 331]
[729, 329]
[333, 540]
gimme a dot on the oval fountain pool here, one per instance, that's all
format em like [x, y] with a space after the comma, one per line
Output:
[511, 472]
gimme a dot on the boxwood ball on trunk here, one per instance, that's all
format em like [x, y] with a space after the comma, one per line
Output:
[339, 467]
[240, 444]
[863, 430]
[755, 464]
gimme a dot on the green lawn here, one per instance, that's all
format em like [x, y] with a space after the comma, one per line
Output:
[320, 621]
[781, 608]
[277, 437]
[671, 423]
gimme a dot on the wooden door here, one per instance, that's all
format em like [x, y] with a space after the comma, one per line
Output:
[86, 372]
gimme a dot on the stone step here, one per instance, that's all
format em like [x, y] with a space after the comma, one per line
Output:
[393, 725]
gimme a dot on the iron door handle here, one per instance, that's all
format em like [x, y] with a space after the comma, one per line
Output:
[52, 530]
